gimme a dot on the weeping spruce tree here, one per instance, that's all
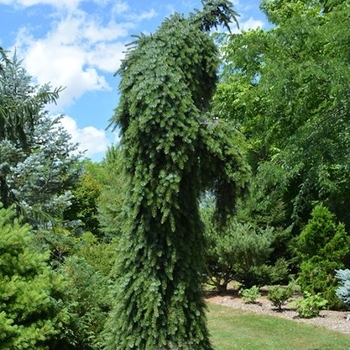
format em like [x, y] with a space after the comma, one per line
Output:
[172, 151]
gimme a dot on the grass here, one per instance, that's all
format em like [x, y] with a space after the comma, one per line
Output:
[236, 329]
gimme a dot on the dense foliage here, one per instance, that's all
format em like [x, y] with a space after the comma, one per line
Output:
[241, 252]
[32, 313]
[172, 150]
[286, 88]
[84, 202]
[310, 306]
[279, 295]
[324, 247]
[113, 193]
[87, 294]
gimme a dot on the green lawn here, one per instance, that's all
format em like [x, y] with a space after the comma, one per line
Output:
[236, 329]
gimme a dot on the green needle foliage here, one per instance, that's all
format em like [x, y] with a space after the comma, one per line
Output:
[171, 151]
[38, 162]
[31, 310]
[323, 248]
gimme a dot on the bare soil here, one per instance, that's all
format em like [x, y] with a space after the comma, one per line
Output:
[333, 320]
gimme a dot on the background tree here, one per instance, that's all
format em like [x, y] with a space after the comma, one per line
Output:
[40, 184]
[113, 194]
[86, 191]
[38, 162]
[21, 104]
[285, 89]
[241, 252]
[168, 79]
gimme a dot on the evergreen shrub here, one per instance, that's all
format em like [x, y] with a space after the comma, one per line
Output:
[250, 295]
[279, 295]
[323, 248]
[32, 314]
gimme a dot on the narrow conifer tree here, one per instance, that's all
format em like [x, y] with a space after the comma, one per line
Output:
[171, 149]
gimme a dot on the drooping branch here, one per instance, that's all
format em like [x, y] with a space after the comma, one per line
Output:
[215, 13]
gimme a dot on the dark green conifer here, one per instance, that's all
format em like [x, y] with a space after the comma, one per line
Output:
[171, 152]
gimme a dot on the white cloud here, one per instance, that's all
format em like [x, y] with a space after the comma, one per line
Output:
[142, 16]
[251, 23]
[67, 4]
[246, 24]
[120, 7]
[79, 48]
[90, 139]
[73, 54]
[113, 53]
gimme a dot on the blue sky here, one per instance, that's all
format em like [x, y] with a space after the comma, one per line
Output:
[78, 44]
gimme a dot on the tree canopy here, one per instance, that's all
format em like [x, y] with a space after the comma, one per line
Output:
[286, 88]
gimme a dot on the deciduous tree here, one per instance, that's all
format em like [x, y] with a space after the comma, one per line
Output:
[286, 88]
